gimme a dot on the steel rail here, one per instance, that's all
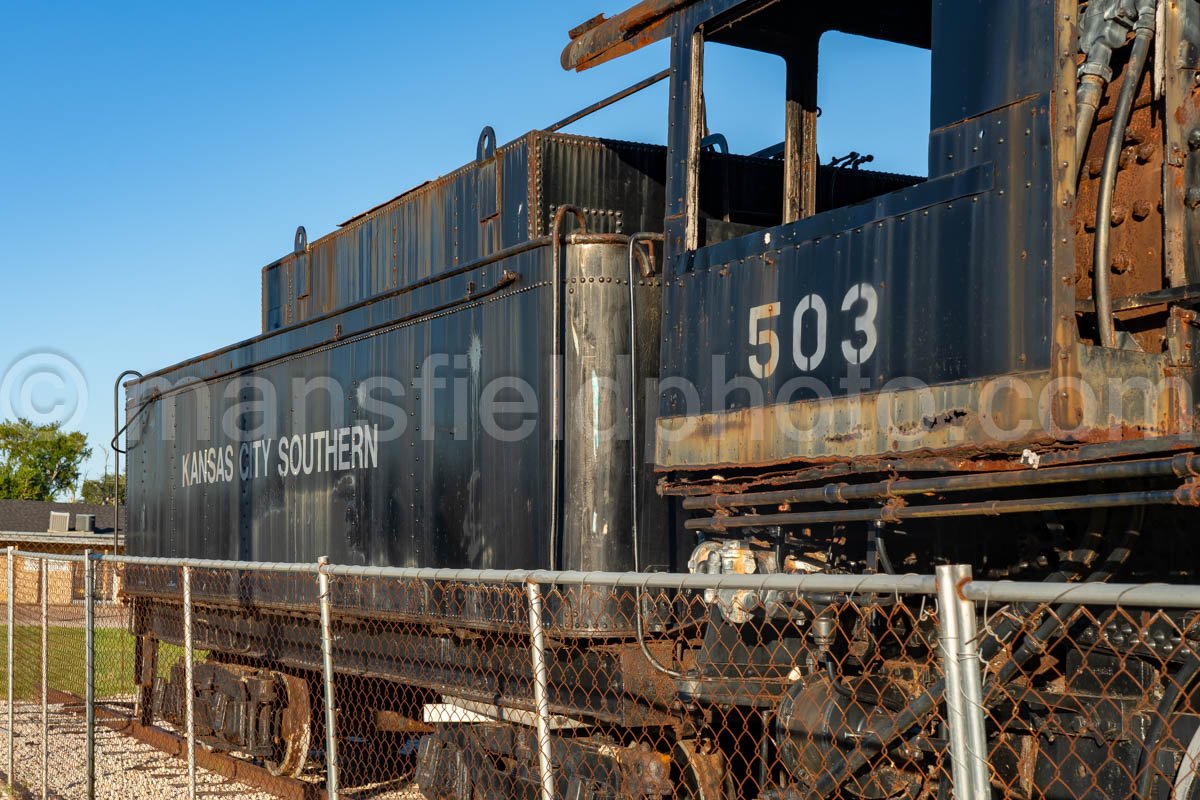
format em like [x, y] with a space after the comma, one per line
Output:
[617, 97]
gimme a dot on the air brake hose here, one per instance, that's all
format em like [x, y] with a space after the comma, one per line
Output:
[1108, 178]
[1166, 706]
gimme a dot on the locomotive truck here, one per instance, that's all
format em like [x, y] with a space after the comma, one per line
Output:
[798, 365]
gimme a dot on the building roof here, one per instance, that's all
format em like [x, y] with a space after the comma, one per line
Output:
[32, 516]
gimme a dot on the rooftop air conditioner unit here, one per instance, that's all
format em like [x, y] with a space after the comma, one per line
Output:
[60, 521]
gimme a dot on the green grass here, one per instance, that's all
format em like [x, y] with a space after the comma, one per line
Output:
[114, 661]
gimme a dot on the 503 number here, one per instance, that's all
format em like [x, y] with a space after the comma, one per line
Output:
[862, 300]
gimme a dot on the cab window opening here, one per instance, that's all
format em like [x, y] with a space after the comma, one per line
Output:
[854, 124]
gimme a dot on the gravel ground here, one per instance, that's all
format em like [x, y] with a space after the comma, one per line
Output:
[125, 767]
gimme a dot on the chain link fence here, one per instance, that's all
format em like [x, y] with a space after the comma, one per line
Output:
[316, 680]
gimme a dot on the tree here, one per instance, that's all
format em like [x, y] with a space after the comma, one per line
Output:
[39, 462]
[99, 491]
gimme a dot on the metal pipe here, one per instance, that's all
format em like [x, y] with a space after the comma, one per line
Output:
[89, 647]
[970, 673]
[987, 508]
[331, 752]
[189, 683]
[635, 460]
[45, 574]
[541, 697]
[129, 373]
[608, 101]
[557, 412]
[12, 622]
[956, 710]
[1108, 178]
[815, 582]
[1178, 466]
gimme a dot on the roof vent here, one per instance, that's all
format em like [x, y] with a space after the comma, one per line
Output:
[85, 523]
[60, 521]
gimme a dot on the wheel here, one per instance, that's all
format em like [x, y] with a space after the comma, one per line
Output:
[295, 729]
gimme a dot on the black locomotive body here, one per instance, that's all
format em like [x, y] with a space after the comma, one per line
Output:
[846, 371]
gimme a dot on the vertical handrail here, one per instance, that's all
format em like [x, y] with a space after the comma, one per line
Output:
[541, 699]
[12, 622]
[557, 379]
[189, 681]
[89, 646]
[949, 644]
[45, 573]
[129, 373]
[635, 457]
[331, 753]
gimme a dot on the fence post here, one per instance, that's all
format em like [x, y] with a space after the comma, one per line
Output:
[541, 699]
[960, 661]
[331, 754]
[972, 676]
[45, 678]
[189, 683]
[89, 646]
[12, 622]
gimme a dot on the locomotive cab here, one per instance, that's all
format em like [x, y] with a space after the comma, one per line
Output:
[1026, 303]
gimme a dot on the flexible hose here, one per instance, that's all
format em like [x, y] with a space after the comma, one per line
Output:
[1166, 707]
[1108, 182]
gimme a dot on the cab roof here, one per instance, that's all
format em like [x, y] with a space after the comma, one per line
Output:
[769, 25]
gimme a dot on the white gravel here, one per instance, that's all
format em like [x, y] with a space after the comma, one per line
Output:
[125, 767]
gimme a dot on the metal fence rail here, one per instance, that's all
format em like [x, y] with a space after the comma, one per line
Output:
[341, 681]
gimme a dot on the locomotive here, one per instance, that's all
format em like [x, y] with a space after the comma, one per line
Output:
[584, 354]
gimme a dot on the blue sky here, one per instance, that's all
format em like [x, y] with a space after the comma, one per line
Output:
[154, 156]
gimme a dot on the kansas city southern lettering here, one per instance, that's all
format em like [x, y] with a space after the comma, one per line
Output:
[333, 450]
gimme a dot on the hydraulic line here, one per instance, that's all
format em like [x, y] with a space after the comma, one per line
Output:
[1101, 290]
[1166, 707]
